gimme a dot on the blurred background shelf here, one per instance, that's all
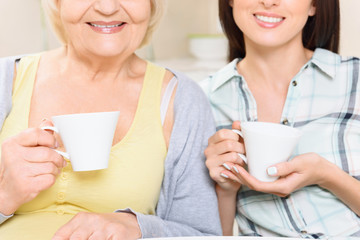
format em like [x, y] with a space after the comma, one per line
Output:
[25, 31]
[194, 68]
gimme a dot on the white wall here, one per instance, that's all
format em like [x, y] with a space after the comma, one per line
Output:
[21, 25]
[22, 29]
[350, 27]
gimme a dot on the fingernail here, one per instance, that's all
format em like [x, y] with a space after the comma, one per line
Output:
[44, 119]
[235, 168]
[272, 171]
[224, 175]
[64, 163]
[226, 166]
[56, 144]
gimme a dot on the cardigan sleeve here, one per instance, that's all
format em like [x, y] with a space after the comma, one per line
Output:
[187, 204]
[6, 83]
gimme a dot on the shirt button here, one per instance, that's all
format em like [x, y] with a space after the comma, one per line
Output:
[61, 196]
[285, 122]
[64, 175]
[294, 83]
[60, 212]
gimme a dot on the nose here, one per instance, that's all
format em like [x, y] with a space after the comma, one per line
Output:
[107, 7]
[270, 3]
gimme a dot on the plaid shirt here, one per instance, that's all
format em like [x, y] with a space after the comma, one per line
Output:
[323, 100]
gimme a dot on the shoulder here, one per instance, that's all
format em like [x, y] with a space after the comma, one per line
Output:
[219, 78]
[188, 91]
[334, 66]
[7, 68]
[7, 62]
[332, 61]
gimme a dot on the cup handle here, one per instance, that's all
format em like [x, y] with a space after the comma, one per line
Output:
[242, 156]
[54, 129]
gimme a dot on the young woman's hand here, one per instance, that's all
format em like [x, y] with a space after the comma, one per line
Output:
[303, 170]
[28, 166]
[222, 155]
[100, 226]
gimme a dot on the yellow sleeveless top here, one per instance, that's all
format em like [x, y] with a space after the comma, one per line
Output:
[133, 178]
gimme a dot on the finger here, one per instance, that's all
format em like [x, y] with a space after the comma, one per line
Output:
[230, 166]
[246, 178]
[223, 134]
[215, 174]
[228, 175]
[43, 154]
[46, 122]
[231, 158]
[236, 169]
[98, 235]
[236, 125]
[65, 232]
[33, 137]
[81, 233]
[225, 146]
[44, 168]
[43, 182]
[281, 169]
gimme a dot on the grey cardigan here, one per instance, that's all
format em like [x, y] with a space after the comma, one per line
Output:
[187, 203]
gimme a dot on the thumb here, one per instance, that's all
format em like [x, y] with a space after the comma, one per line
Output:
[236, 125]
[281, 169]
[45, 122]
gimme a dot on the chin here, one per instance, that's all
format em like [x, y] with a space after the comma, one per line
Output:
[108, 51]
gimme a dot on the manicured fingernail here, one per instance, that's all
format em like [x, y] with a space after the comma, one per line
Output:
[272, 171]
[56, 144]
[235, 168]
[64, 163]
[224, 175]
[226, 166]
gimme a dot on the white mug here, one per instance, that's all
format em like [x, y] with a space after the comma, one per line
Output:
[267, 144]
[87, 138]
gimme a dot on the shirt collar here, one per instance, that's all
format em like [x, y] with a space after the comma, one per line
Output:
[326, 61]
[225, 74]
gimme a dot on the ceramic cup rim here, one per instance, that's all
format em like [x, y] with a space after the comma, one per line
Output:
[82, 114]
[295, 132]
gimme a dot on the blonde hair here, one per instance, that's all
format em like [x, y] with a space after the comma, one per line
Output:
[52, 11]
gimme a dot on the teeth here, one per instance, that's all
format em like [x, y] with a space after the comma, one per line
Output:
[106, 26]
[268, 19]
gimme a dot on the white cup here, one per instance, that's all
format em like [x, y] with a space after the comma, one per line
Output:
[267, 144]
[87, 138]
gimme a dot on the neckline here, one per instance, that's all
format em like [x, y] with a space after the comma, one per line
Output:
[138, 108]
[32, 84]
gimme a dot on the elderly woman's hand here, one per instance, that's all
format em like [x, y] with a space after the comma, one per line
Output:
[28, 166]
[222, 155]
[96, 226]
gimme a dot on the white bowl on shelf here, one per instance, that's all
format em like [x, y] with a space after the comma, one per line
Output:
[208, 46]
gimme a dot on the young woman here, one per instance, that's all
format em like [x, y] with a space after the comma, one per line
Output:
[284, 69]
[156, 184]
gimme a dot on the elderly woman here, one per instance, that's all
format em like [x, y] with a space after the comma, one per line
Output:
[156, 185]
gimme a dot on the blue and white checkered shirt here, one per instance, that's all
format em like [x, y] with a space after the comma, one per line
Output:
[323, 101]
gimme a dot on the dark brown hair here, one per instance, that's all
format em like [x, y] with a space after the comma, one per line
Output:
[320, 31]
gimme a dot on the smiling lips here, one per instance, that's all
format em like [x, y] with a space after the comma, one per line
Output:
[268, 20]
[107, 27]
